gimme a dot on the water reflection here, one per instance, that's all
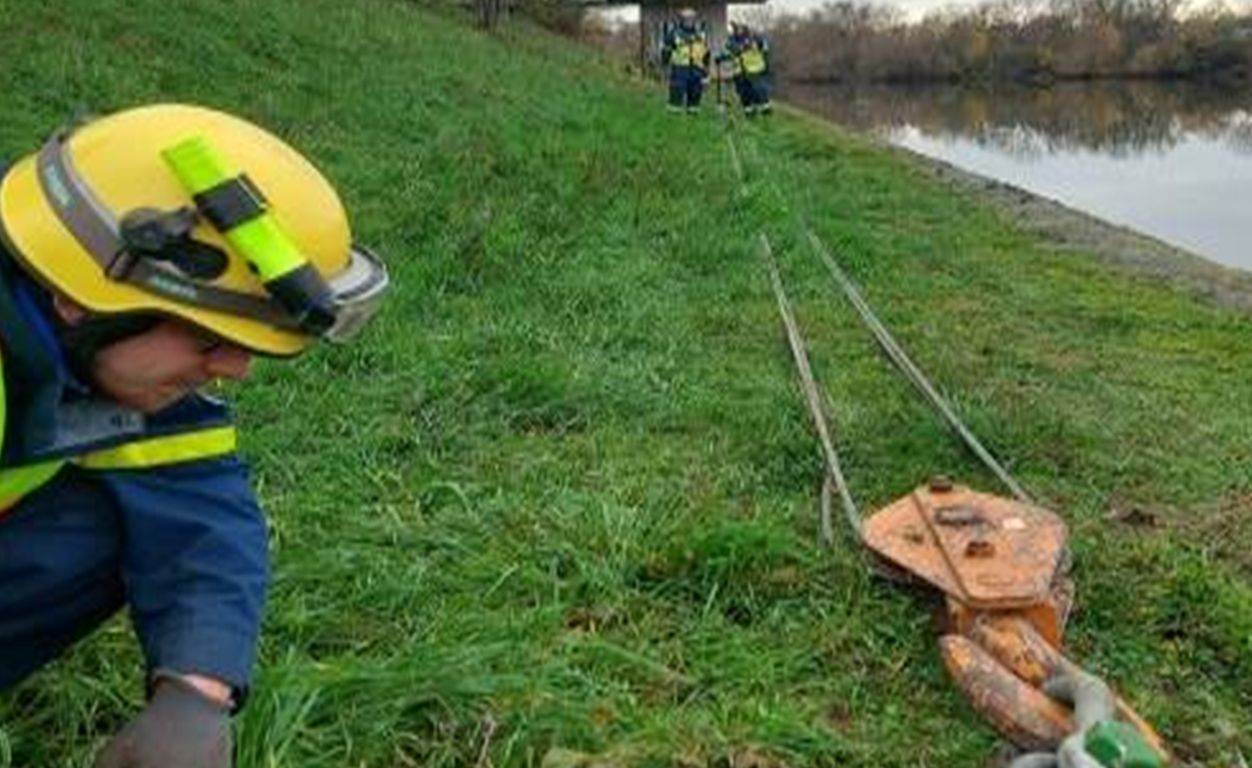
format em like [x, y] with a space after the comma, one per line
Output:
[1121, 119]
[1171, 160]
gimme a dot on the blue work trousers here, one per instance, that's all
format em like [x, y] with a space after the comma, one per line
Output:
[753, 92]
[183, 547]
[686, 87]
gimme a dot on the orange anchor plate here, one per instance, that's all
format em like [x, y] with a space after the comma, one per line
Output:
[985, 551]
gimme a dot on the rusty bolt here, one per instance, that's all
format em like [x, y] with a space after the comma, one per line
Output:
[980, 548]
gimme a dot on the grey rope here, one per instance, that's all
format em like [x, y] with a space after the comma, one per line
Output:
[835, 479]
[911, 372]
[816, 409]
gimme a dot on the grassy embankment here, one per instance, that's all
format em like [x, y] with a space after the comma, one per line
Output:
[563, 494]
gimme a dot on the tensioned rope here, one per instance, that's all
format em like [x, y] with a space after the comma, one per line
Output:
[811, 395]
[891, 348]
[911, 372]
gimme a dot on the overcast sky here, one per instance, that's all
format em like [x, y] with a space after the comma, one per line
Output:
[801, 7]
[917, 8]
[914, 8]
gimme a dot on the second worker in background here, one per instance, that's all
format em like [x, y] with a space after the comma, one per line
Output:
[749, 53]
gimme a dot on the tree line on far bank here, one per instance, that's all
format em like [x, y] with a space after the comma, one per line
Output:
[1028, 41]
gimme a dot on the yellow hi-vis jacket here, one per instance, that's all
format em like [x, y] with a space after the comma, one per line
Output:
[747, 52]
[752, 61]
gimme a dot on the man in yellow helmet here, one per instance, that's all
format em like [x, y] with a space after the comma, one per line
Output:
[142, 256]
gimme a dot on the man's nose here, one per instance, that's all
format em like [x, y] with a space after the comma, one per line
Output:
[227, 362]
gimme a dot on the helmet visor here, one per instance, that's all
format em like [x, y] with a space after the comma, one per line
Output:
[358, 291]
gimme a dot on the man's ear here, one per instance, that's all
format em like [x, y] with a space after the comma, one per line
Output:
[70, 312]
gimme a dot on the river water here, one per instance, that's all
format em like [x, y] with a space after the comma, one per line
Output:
[1174, 161]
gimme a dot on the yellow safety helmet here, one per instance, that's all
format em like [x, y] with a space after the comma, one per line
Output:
[188, 212]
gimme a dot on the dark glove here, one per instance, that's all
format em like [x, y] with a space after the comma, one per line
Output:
[180, 728]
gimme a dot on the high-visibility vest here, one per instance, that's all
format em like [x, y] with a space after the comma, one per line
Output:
[142, 452]
[752, 59]
[689, 51]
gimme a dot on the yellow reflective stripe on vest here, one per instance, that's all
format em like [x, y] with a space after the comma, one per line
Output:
[156, 451]
[753, 61]
[16, 482]
[689, 53]
[698, 51]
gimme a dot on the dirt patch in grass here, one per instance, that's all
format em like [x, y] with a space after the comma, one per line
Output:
[1223, 529]
[1226, 532]
[1072, 229]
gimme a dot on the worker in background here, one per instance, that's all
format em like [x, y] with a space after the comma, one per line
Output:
[686, 51]
[144, 256]
[748, 53]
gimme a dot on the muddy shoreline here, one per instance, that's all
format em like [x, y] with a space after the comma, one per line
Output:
[1071, 229]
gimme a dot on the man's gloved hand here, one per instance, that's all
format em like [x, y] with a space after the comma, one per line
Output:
[180, 728]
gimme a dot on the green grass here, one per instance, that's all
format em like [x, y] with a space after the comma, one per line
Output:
[562, 497]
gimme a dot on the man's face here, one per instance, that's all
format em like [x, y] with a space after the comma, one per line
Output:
[158, 367]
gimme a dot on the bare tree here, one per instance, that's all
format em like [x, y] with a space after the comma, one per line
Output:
[1037, 41]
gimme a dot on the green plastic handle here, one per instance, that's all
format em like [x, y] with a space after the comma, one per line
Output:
[1115, 744]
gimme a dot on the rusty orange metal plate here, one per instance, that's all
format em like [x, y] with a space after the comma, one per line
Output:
[988, 552]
